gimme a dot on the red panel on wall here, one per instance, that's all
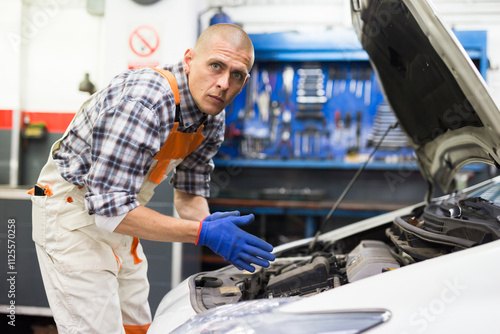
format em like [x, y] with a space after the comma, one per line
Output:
[56, 122]
[5, 119]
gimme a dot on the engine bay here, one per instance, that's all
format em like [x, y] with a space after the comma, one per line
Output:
[432, 230]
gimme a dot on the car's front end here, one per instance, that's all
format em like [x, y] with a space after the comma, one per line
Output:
[383, 272]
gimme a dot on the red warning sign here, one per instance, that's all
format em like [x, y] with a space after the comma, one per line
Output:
[144, 41]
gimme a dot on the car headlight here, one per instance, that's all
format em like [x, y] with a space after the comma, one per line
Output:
[264, 316]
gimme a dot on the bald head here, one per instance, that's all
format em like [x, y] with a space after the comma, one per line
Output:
[218, 67]
[229, 33]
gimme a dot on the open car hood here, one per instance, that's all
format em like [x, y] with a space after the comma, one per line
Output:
[432, 86]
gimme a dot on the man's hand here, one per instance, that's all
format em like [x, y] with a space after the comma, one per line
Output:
[220, 232]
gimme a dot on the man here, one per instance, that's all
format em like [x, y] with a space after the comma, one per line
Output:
[89, 201]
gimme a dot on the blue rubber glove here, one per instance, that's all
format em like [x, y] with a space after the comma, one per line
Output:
[220, 233]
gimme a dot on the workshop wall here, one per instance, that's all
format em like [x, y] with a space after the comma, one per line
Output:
[9, 81]
[49, 45]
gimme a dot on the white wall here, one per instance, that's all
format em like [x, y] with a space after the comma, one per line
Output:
[59, 46]
[176, 22]
[258, 16]
[10, 30]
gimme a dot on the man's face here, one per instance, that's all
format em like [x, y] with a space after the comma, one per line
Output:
[216, 75]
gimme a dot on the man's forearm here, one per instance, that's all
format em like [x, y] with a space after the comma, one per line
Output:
[191, 207]
[148, 224]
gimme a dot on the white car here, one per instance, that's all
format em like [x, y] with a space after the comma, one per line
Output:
[433, 267]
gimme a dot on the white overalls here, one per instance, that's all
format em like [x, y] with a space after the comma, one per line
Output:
[96, 280]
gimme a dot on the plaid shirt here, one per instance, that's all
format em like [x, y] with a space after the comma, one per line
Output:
[114, 138]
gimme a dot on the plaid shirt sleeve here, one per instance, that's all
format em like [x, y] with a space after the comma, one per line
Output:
[123, 143]
[193, 174]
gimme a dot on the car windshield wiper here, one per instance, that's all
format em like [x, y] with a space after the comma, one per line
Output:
[348, 187]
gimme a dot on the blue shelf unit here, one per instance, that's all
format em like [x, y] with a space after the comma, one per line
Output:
[313, 101]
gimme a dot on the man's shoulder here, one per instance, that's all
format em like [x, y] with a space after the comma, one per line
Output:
[144, 84]
[174, 67]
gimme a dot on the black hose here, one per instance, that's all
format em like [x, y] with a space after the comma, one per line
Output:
[348, 187]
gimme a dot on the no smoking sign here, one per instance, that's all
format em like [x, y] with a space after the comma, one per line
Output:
[144, 41]
[143, 47]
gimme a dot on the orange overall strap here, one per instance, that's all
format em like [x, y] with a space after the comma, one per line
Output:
[173, 83]
[177, 146]
[133, 250]
[136, 329]
[163, 158]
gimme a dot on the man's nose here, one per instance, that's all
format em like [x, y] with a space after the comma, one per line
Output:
[223, 82]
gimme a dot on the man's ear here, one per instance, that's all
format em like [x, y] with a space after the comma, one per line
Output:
[186, 61]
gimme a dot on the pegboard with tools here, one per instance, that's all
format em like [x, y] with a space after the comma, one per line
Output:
[313, 97]
[302, 110]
